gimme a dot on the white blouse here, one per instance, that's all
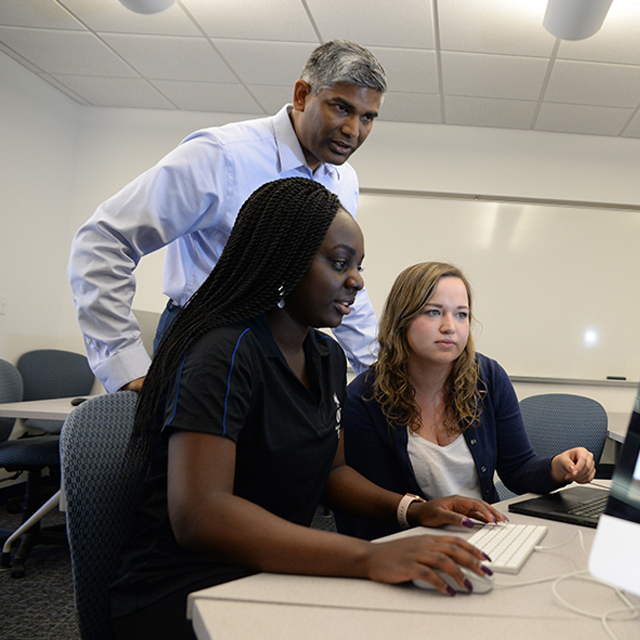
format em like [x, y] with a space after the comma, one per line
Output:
[443, 470]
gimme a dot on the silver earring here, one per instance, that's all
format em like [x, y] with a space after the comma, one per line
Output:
[281, 294]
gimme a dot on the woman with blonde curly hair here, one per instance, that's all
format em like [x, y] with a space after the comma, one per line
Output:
[433, 419]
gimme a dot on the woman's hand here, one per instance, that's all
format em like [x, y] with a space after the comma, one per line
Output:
[573, 465]
[456, 510]
[418, 558]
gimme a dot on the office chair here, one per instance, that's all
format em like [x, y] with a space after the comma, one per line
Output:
[102, 484]
[556, 422]
[52, 373]
[10, 391]
[31, 455]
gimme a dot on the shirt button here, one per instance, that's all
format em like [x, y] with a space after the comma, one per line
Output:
[473, 441]
[483, 469]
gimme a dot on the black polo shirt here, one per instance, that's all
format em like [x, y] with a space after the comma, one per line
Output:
[235, 382]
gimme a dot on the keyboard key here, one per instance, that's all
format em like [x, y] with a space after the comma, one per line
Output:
[508, 546]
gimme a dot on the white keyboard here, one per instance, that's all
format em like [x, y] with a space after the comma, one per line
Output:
[508, 545]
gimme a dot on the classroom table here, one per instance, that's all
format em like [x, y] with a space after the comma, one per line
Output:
[283, 607]
[51, 409]
[618, 423]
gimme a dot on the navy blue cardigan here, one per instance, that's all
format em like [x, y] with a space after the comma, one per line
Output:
[499, 443]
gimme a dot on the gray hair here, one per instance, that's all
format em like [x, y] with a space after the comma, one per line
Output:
[346, 62]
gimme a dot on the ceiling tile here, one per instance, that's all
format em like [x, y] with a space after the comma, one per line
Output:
[394, 23]
[171, 57]
[116, 92]
[572, 118]
[632, 130]
[272, 97]
[52, 80]
[494, 66]
[411, 107]
[594, 84]
[110, 15]
[269, 19]
[43, 14]
[491, 76]
[209, 96]
[487, 112]
[265, 62]
[18, 58]
[409, 70]
[617, 40]
[495, 26]
[57, 51]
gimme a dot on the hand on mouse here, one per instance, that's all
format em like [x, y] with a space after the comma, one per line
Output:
[427, 558]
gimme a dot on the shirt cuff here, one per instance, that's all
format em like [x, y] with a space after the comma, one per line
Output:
[123, 367]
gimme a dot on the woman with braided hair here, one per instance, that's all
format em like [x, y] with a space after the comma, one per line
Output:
[240, 417]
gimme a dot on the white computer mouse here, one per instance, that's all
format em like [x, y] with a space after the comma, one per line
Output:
[480, 584]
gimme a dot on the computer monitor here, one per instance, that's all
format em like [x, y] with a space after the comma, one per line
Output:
[615, 554]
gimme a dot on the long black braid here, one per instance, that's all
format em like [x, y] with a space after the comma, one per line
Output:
[278, 231]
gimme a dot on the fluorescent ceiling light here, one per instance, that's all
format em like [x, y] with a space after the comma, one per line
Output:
[147, 6]
[574, 19]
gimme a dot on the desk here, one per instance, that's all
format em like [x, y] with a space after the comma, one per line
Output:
[617, 430]
[52, 409]
[281, 607]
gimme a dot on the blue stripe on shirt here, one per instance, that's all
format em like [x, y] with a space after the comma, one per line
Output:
[226, 397]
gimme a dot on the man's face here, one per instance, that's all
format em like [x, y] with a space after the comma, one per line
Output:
[334, 123]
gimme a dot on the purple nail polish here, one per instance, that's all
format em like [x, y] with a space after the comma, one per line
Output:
[467, 523]
[468, 584]
[450, 590]
[486, 570]
[486, 556]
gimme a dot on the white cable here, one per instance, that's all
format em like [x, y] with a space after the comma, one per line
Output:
[629, 612]
[561, 544]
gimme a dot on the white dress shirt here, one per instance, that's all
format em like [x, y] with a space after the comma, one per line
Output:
[189, 201]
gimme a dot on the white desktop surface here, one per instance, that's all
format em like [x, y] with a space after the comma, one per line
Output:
[285, 607]
[618, 425]
[52, 409]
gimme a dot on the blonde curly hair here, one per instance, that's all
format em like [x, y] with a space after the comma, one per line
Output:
[392, 389]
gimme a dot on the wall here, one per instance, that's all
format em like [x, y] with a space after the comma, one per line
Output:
[62, 160]
[39, 134]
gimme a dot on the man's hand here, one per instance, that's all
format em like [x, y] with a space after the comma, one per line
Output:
[134, 385]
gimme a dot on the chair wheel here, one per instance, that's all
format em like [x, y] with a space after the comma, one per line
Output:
[17, 570]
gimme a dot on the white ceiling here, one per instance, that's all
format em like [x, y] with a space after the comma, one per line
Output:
[462, 62]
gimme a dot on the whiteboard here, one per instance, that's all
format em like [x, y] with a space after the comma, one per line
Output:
[556, 288]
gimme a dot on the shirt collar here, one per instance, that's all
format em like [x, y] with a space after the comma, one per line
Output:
[315, 340]
[290, 154]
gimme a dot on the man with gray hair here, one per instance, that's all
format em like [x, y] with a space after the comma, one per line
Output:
[188, 202]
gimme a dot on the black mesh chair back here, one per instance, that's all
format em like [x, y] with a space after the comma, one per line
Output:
[30, 456]
[53, 373]
[10, 391]
[556, 422]
[102, 484]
